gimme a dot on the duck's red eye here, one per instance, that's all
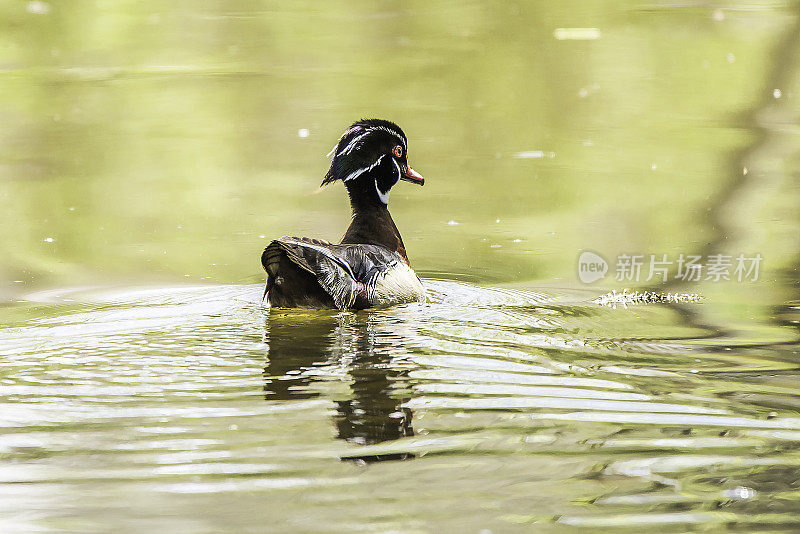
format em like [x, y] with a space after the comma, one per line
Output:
[398, 151]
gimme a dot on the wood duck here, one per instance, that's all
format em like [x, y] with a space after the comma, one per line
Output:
[369, 267]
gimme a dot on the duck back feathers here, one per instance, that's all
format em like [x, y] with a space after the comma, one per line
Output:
[343, 276]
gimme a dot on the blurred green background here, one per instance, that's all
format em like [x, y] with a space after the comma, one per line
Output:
[150, 141]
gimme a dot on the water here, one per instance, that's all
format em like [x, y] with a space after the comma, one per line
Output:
[149, 152]
[206, 410]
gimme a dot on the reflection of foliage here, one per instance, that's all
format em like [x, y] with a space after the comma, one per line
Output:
[172, 132]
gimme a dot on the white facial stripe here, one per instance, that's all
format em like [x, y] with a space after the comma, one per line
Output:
[333, 148]
[383, 196]
[396, 166]
[352, 144]
[362, 170]
[397, 135]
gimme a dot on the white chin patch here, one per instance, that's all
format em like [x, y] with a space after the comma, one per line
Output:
[383, 196]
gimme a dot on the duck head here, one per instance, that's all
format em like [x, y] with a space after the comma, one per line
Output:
[370, 157]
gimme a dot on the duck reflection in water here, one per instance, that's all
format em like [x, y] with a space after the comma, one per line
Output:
[302, 343]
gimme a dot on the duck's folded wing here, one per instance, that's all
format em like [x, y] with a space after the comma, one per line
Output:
[323, 260]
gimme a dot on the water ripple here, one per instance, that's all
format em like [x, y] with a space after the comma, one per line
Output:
[202, 391]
